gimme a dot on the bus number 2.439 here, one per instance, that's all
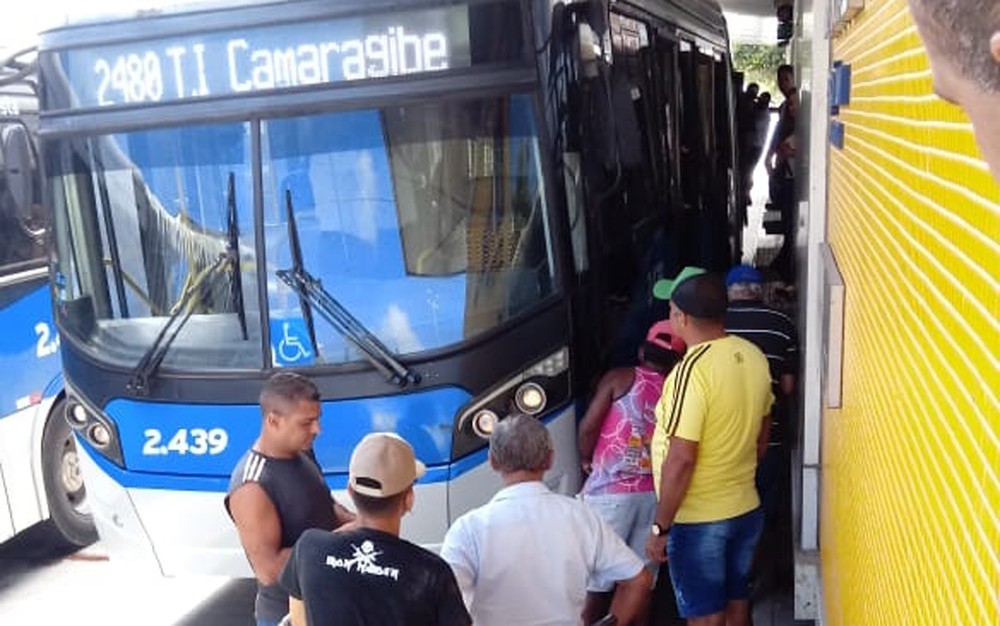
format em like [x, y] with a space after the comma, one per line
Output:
[185, 441]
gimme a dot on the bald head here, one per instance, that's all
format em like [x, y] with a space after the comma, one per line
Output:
[964, 31]
[962, 38]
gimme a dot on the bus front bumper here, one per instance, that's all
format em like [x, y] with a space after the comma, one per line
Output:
[188, 532]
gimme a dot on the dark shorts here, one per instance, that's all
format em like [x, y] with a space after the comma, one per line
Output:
[710, 562]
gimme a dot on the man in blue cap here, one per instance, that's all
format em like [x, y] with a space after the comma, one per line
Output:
[774, 333]
[770, 330]
[711, 428]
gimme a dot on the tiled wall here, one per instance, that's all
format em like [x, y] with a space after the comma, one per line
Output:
[911, 461]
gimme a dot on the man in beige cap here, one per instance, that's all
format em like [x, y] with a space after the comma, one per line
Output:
[368, 575]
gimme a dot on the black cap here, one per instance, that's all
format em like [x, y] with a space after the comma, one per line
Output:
[702, 296]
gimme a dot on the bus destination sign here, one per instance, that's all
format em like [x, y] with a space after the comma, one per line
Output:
[270, 57]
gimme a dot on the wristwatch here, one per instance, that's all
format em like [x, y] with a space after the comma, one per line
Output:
[657, 530]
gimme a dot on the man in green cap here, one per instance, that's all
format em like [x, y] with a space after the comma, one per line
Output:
[665, 286]
[711, 427]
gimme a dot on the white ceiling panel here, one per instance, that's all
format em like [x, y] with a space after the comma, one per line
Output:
[760, 8]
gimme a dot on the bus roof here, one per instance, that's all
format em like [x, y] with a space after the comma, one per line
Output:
[83, 26]
[173, 17]
[75, 14]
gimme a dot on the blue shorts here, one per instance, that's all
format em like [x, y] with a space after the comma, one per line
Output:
[710, 562]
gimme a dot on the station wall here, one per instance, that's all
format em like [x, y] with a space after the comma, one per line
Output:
[910, 509]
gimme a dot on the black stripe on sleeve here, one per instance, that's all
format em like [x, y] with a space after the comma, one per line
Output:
[680, 388]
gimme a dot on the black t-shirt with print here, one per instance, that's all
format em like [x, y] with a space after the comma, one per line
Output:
[366, 577]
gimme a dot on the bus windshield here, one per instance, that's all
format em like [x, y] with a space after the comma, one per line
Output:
[426, 222]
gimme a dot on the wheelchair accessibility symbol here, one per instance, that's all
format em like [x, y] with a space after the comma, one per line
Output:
[290, 342]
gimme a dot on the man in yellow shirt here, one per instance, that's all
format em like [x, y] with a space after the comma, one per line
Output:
[711, 427]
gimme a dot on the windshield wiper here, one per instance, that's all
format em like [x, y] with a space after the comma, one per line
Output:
[298, 267]
[233, 236]
[209, 281]
[312, 294]
[138, 383]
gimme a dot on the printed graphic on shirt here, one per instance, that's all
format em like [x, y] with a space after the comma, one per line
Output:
[621, 460]
[363, 561]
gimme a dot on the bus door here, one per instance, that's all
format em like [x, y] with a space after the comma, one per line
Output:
[707, 177]
[629, 187]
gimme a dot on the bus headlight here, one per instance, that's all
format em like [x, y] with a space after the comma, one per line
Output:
[483, 423]
[77, 415]
[94, 427]
[100, 435]
[534, 391]
[530, 398]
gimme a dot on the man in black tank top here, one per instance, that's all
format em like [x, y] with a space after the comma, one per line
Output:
[277, 490]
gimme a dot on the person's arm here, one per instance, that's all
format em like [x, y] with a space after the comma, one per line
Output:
[787, 384]
[772, 148]
[675, 478]
[297, 612]
[615, 562]
[685, 421]
[763, 436]
[631, 597]
[455, 550]
[787, 380]
[259, 528]
[289, 581]
[590, 425]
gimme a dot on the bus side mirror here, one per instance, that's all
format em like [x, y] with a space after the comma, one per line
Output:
[19, 177]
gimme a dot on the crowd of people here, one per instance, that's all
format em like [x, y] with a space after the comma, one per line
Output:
[753, 116]
[669, 450]
[685, 454]
[753, 121]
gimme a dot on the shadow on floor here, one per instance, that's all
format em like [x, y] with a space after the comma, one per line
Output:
[31, 551]
[232, 605]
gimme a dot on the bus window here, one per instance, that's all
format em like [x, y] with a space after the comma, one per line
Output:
[723, 130]
[667, 79]
[141, 217]
[426, 222]
[704, 79]
[477, 163]
[635, 100]
[692, 146]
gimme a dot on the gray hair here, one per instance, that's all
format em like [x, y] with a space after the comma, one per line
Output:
[962, 29]
[745, 291]
[520, 443]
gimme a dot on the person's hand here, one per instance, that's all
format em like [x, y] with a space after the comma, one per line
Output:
[586, 467]
[656, 548]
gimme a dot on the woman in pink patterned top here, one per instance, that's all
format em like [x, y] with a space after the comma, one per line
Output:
[614, 439]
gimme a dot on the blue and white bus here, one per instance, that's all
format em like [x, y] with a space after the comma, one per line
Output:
[439, 211]
[39, 473]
